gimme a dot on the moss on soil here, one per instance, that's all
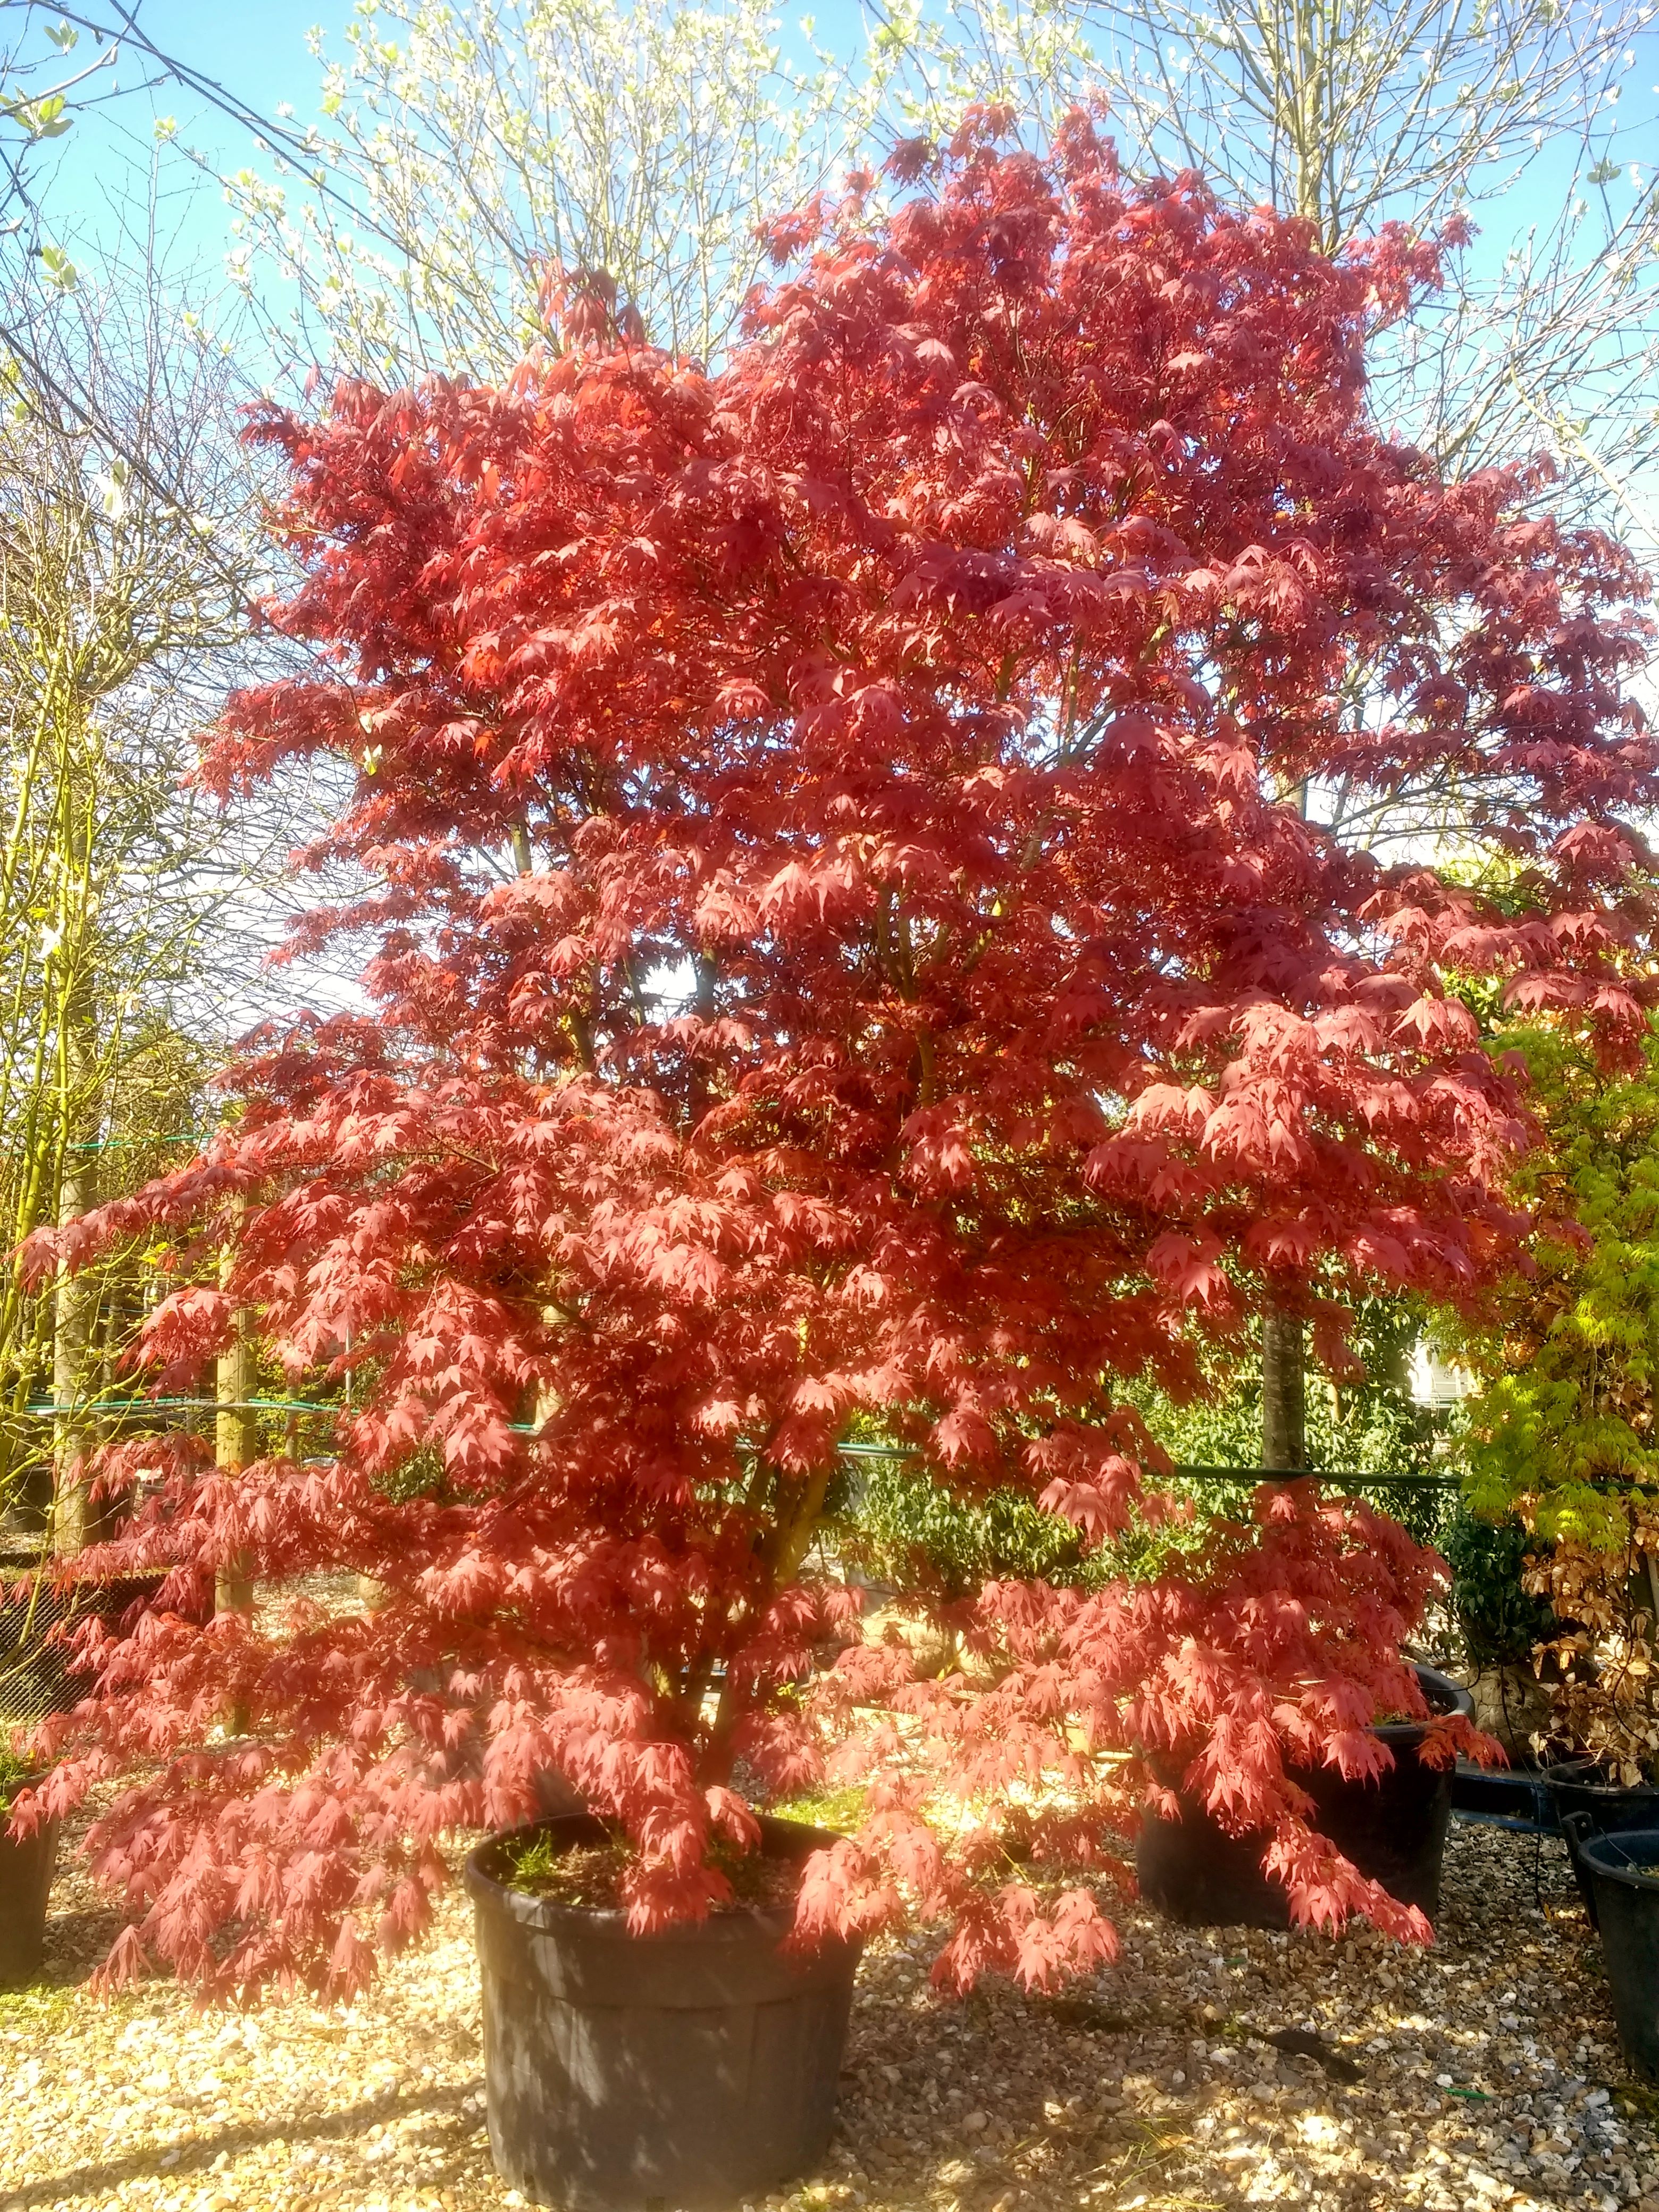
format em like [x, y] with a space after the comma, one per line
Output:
[594, 1876]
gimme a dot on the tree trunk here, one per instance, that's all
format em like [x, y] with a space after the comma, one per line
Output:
[1283, 1388]
[75, 1304]
[237, 1439]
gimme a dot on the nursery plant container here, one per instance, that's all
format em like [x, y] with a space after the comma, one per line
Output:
[1514, 1798]
[26, 1866]
[691, 2067]
[1393, 1827]
[1581, 1786]
[1618, 1868]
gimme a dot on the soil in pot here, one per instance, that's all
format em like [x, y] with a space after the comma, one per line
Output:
[1580, 1785]
[691, 2067]
[1393, 1828]
[1621, 1871]
[26, 1866]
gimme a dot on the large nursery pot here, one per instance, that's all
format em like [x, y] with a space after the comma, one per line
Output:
[1581, 1786]
[1393, 1827]
[26, 1866]
[690, 2068]
[1621, 1872]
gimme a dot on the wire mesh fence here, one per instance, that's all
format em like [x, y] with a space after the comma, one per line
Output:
[41, 1613]
[40, 1617]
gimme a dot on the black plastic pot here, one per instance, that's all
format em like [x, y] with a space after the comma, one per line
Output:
[691, 2067]
[1580, 1785]
[27, 1867]
[1392, 1827]
[1513, 1797]
[1626, 1911]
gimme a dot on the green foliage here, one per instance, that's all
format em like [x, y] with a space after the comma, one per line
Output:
[842, 1810]
[530, 1858]
[900, 1528]
[1561, 1436]
[14, 1772]
[421, 1475]
[1566, 1415]
[1501, 1622]
[1368, 1425]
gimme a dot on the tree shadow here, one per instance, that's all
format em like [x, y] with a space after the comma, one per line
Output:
[76, 1942]
[196, 2158]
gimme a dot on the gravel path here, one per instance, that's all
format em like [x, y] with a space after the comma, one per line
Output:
[1483, 2074]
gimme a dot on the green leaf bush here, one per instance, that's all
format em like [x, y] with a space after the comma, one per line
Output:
[1560, 1441]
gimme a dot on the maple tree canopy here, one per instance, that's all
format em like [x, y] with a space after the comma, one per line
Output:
[874, 908]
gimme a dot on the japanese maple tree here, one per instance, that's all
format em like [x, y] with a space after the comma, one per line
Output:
[857, 927]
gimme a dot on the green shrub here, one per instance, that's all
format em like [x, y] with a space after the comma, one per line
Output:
[1500, 1622]
[14, 1772]
[1366, 1424]
[896, 1527]
[1564, 1423]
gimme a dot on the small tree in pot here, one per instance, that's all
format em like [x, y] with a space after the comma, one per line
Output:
[844, 949]
[1502, 1624]
[1562, 1436]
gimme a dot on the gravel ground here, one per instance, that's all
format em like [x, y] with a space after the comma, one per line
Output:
[1483, 2074]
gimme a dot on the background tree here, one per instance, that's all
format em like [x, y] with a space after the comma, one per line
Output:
[1570, 1361]
[56, 66]
[1559, 1440]
[132, 915]
[468, 160]
[839, 955]
[1432, 115]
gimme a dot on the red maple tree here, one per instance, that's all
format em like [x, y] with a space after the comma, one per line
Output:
[870, 916]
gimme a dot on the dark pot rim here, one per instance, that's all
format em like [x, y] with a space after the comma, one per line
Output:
[485, 1884]
[1594, 1852]
[1578, 1773]
[1445, 1697]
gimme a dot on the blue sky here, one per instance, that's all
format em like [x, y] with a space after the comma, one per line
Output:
[257, 50]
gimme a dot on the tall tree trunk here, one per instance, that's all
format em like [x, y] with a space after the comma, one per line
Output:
[1283, 1388]
[75, 1301]
[70, 983]
[237, 1441]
